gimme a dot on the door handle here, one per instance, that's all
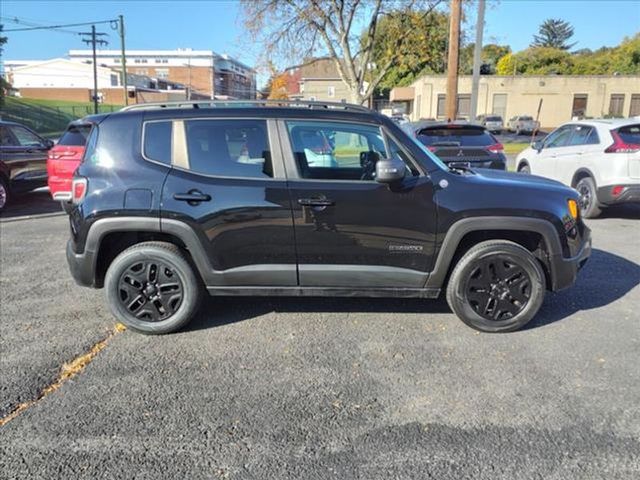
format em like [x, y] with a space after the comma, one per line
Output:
[193, 197]
[315, 202]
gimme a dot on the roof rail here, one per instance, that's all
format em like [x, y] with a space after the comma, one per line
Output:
[245, 103]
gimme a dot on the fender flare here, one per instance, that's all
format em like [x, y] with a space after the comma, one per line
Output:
[578, 172]
[459, 229]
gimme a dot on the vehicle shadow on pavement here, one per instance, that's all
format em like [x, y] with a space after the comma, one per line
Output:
[603, 280]
[32, 203]
[591, 291]
[629, 212]
[218, 311]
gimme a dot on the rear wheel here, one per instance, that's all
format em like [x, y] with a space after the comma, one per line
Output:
[588, 201]
[497, 286]
[152, 288]
[4, 194]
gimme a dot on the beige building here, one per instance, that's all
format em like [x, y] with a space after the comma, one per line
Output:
[563, 96]
[318, 80]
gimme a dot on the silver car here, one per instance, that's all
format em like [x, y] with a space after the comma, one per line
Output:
[493, 123]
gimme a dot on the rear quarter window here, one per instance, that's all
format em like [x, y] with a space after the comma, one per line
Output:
[75, 135]
[157, 141]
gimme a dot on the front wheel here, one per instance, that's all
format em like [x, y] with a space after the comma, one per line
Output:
[588, 201]
[152, 288]
[524, 168]
[497, 286]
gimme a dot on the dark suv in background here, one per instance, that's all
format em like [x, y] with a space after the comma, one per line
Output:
[460, 142]
[307, 199]
[23, 160]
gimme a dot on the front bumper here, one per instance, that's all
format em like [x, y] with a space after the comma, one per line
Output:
[81, 266]
[565, 270]
[629, 194]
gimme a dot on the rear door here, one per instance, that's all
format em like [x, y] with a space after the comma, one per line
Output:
[228, 185]
[352, 231]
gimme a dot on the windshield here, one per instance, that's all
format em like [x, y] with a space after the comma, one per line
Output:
[526, 119]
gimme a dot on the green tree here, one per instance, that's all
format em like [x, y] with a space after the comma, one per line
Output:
[4, 85]
[554, 33]
[489, 57]
[291, 30]
[424, 50]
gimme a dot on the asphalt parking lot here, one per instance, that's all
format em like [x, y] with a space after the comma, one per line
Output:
[319, 388]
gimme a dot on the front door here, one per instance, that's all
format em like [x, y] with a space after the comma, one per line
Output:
[25, 156]
[544, 162]
[227, 183]
[352, 231]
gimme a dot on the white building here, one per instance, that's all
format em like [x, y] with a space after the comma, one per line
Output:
[59, 73]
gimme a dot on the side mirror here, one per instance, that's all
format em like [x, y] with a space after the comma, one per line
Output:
[389, 171]
[48, 143]
[537, 145]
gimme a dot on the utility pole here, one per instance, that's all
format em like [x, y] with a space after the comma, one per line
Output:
[123, 61]
[452, 61]
[93, 41]
[477, 53]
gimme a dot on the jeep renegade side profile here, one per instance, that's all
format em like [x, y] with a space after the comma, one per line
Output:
[301, 198]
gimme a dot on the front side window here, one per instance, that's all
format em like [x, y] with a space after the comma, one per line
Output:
[229, 148]
[25, 137]
[157, 141]
[558, 138]
[337, 150]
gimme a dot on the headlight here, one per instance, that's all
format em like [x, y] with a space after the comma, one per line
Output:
[573, 209]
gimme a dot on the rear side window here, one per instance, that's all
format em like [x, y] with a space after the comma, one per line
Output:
[157, 141]
[630, 134]
[229, 148]
[76, 135]
[456, 137]
[583, 135]
[90, 150]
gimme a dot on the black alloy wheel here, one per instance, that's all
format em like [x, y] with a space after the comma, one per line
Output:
[150, 291]
[498, 288]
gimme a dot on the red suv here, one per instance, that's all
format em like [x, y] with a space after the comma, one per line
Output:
[64, 158]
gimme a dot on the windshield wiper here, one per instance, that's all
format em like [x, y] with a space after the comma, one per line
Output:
[460, 166]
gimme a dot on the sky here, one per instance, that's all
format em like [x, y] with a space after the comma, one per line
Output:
[217, 24]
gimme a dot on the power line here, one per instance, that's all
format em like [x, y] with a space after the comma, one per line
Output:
[57, 27]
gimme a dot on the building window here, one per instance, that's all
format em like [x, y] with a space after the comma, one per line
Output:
[616, 104]
[162, 73]
[141, 71]
[143, 60]
[136, 60]
[114, 80]
[165, 60]
[116, 60]
[331, 91]
[440, 112]
[579, 108]
[634, 107]
[464, 106]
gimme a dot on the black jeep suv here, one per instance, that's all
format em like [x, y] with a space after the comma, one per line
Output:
[307, 199]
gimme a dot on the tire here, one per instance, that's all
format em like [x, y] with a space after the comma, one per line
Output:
[135, 293]
[4, 194]
[524, 168]
[497, 286]
[589, 207]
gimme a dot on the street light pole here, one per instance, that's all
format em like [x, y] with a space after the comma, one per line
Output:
[93, 41]
[477, 53]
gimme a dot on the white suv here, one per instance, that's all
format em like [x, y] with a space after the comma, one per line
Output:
[599, 158]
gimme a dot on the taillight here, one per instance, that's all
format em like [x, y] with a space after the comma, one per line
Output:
[620, 146]
[432, 149]
[78, 189]
[617, 190]
[496, 148]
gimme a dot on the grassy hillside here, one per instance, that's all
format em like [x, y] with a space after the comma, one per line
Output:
[48, 117]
